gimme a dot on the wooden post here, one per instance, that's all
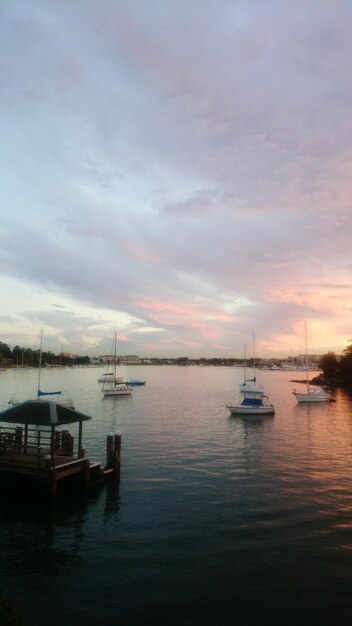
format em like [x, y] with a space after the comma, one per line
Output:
[110, 451]
[18, 437]
[52, 448]
[80, 440]
[117, 456]
[39, 456]
[25, 438]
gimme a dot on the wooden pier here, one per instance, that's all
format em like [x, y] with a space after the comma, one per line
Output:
[34, 444]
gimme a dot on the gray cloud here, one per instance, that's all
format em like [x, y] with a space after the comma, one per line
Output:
[186, 164]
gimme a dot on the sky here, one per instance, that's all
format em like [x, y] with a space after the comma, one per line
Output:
[178, 171]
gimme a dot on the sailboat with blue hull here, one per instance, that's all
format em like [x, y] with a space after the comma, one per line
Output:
[255, 405]
[67, 402]
[41, 395]
[254, 402]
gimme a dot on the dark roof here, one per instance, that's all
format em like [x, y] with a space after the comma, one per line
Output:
[42, 413]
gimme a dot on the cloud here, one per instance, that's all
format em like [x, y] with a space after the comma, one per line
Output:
[186, 167]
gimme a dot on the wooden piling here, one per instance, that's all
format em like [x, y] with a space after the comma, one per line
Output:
[113, 453]
[110, 451]
[117, 457]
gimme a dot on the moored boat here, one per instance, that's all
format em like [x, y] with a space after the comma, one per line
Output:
[311, 394]
[258, 405]
[109, 378]
[249, 385]
[116, 387]
[55, 396]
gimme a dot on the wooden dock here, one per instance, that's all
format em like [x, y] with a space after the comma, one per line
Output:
[39, 448]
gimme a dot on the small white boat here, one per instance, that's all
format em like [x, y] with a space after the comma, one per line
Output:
[58, 396]
[255, 402]
[116, 387]
[250, 385]
[109, 378]
[311, 394]
[252, 406]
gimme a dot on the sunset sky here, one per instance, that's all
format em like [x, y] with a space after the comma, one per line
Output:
[179, 171]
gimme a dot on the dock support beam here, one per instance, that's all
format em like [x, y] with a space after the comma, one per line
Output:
[113, 453]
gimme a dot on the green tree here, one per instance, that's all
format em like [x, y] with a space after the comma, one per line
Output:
[82, 360]
[5, 351]
[18, 355]
[345, 363]
[328, 363]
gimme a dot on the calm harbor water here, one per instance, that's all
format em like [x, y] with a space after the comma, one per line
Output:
[216, 520]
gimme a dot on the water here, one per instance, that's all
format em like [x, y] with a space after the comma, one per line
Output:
[217, 520]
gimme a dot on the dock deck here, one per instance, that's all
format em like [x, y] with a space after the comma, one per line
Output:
[47, 454]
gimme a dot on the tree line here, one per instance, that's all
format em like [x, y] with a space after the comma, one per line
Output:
[27, 357]
[338, 369]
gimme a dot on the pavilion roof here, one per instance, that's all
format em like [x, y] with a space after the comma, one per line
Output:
[42, 413]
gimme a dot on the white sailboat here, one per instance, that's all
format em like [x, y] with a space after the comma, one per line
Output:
[311, 394]
[109, 377]
[250, 385]
[115, 386]
[254, 402]
[59, 397]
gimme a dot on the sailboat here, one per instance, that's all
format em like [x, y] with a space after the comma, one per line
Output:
[249, 385]
[316, 394]
[60, 399]
[254, 402]
[116, 387]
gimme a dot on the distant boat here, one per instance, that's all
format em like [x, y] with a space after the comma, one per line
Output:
[316, 394]
[254, 402]
[250, 384]
[116, 387]
[109, 378]
[255, 405]
[41, 395]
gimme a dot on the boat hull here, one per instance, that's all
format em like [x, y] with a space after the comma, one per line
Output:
[251, 410]
[110, 379]
[255, 390]
[117, 391]
[312, 397]
[136, 383]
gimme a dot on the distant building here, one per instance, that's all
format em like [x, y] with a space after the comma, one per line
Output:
[105, 358]
[68, 355]
[130, 359]
[311, 358]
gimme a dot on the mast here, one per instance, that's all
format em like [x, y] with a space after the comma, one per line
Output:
[254, 378]
[40, 359]
[245, 363]
[306, 353]
[115, 361]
